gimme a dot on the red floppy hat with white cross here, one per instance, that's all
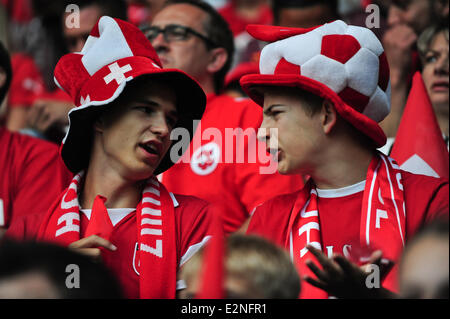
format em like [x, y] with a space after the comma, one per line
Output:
[342, 63]
[115, 53]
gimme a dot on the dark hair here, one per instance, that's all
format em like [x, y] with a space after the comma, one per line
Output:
[277, 5]
[312, 102]
[5, 64]
[438, 227]
[218, 31]
[112, 8]
[96, 281]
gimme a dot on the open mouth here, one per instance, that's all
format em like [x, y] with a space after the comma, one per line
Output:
[275, 153]
[440, 86]
[153, 148]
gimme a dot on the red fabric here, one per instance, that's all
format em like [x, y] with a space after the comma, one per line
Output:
[27, 84]
[285, 67]
[383, 193]
[419, 133]
[383, 76]
[33, 175]
[237, 23]
[100, 223]
[212, 271]
[355, 99]
[426, 198]
[339, 47]
[26, 81]
[20, 11]
[192, 226]
[361, 122]
[71, 71]
[241, 70]
[269, 33]
[235, 187]
[158, 260]
[137, 14]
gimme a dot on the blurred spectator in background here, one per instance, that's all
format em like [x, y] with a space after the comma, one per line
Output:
[406, 21]
[433, 50]
[90, 12]
[432, 47]
[36, 105]
[240, 13]
[32, 171]
[254, 268]
[424, 267]
[35, 43]
[31, 270]
[232, 86]
[304, 13]
[141, 12]
[193, 37]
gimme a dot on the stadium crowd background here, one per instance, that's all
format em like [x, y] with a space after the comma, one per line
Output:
[35, 33]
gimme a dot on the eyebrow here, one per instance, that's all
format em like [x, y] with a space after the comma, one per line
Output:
[269, 109]
[435, 51]
[153, 103]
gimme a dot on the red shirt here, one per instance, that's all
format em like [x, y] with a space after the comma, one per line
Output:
[27, 84]
[33, 175]
[237, 23]
[425, 199]
[208, 173]
[192, 222]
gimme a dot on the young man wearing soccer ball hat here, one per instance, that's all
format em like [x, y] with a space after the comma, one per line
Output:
[323, 91]
[118, 140]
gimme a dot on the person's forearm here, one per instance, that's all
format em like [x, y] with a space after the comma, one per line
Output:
[399, 93]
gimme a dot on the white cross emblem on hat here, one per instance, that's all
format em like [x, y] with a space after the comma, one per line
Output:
[117, 73]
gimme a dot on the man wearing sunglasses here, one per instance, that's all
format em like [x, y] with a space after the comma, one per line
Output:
[193, 37]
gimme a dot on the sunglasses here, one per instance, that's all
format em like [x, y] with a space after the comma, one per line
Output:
[175, 32]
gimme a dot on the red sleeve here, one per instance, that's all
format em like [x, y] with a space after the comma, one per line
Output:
[24, 227]
[194, 224]
[426, 198]
[438, 205]
[271, 219]
[40, 177]
[26, 81]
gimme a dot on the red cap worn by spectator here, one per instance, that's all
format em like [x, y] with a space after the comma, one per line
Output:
[115, 53]
[343, 63]
[239, 71]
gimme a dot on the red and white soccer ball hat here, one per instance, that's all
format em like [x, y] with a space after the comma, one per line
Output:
[115, 53]
[343, 63]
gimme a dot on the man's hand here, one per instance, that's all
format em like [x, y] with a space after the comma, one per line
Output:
[344, 279]
[46, 113]
[91, 245]
[398, 43]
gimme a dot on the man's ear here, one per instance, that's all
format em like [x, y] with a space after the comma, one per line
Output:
[99, 125]
[329, 116]
[219, 57]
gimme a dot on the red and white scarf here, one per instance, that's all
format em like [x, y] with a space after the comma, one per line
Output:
[155, 221]
[382, 199]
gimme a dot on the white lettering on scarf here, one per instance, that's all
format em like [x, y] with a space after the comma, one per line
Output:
[155, 219]
[309, 227]
[69, 217]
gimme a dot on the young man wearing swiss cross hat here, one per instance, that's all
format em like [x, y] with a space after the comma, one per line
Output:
[118, 140]
[323, 91]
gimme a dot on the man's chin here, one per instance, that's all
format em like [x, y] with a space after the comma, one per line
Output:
[283, 169]
[142, 172]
